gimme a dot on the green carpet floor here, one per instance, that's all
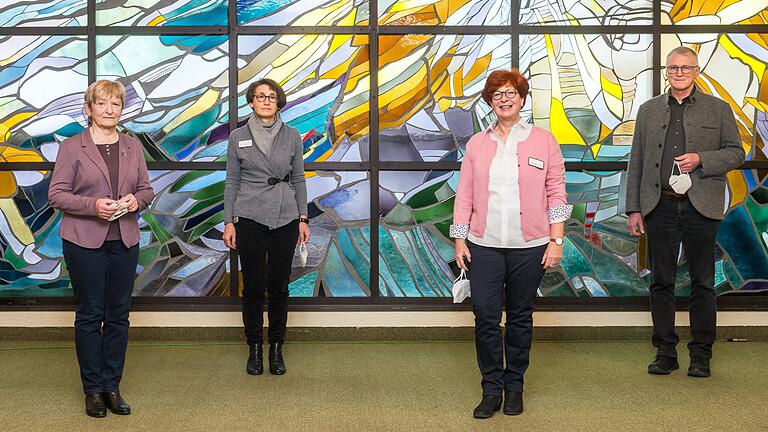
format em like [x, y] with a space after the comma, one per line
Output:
[578, 386]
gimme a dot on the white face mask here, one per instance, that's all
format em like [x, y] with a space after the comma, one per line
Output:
[680, 183]
[303, 253]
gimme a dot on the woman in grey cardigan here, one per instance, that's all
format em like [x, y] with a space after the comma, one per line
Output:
[265, 214]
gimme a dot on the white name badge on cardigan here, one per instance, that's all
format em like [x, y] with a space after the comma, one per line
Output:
[243, 144]
[536, 163]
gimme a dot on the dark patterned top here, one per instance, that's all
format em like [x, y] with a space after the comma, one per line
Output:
[110, 153]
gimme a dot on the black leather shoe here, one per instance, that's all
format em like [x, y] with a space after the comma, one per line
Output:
[488, 405]
[276, 362]
[94, 405]
[116, 403]
[513, 403]
[699, 367]
[255, 364]
[663, 365]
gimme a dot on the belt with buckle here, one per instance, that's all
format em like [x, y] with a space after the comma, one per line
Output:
[274, 180]
[673, 194]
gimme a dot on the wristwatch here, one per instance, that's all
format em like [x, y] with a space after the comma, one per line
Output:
[557, 240]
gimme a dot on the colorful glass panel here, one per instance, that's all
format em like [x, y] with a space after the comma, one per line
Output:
[445, 12]
[429, 92]
[43, 13]
[586, 12]
[176, 89]
[326, 81]
[302, 13]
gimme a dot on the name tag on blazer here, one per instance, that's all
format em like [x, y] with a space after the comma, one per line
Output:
[243, 144]
[536, 163]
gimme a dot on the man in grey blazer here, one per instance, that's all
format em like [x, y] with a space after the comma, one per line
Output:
[684, 144]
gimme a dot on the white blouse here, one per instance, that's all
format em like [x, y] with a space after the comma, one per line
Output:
[503, 224]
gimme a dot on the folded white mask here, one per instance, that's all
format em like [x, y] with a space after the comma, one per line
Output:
[303, 254]
[461, 288]
[680, 183]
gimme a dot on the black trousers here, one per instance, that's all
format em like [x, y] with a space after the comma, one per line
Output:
[515, 274]
[672, 222]
[102, 280]
[266, 257]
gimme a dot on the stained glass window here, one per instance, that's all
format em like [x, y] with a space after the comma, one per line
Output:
[326, 80]
[175, 92]
[713, 12]
[429, 88]
[586, 89]
[339, 250]
[302, 12]
[42, 81]
[585, 12]
[43, 13]
[153, 13]
[415, 250]
[445, 12]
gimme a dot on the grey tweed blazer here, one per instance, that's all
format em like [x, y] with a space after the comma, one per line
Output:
[710, 131]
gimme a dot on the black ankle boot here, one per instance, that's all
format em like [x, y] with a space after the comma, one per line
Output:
[94, 405]
[255, 364]
[276, 363]
[115, 402]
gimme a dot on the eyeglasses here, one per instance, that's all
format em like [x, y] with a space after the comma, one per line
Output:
[261, 98]
[509, 94]
[672, 69]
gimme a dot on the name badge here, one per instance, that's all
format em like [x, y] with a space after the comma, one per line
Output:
[243, 144]
[536, 163]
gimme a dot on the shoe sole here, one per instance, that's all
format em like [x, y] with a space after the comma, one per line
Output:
[495, 410]
[653, 371]
[121, 412]
[699, 374]
[96, 415]
[254, 372]
[512, 413]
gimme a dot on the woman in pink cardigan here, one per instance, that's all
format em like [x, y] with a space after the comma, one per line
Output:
[100, 183]
[508, 222]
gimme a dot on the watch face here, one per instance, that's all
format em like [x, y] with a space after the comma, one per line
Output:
[559, 241]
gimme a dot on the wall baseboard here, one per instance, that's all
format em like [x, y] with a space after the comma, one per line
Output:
[376, 334]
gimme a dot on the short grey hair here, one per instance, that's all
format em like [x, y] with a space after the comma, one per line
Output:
[685, 51]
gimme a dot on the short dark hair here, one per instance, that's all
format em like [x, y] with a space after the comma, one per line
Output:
[251, 92]
[498, 78]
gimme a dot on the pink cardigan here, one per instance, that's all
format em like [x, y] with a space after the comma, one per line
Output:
[80, 177]
[541, 180]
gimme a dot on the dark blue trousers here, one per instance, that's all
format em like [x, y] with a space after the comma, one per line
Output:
[514, 274]
[672, 222]
[102, 280]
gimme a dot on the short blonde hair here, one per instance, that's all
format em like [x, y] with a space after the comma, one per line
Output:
[104, 88]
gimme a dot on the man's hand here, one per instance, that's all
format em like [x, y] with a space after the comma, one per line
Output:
[635, 224]
[688, 162]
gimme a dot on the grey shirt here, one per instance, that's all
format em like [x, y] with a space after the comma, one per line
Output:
[247, 193]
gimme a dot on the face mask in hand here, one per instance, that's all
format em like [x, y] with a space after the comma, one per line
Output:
[303, 253]
[680, 183]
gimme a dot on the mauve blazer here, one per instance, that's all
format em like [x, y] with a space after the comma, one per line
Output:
[80, 177]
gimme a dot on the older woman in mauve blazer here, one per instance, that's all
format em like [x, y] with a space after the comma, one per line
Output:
[99, 183]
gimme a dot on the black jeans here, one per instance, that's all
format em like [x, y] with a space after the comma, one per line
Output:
[266, 257]
[516, 274]
[674, 221]
[102, 280]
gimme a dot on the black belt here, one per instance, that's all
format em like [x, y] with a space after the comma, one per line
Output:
[673, 194]
[274, 180]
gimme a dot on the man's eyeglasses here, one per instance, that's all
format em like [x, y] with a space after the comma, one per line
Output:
[261, 97]
[685, 69]
[509, 94]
